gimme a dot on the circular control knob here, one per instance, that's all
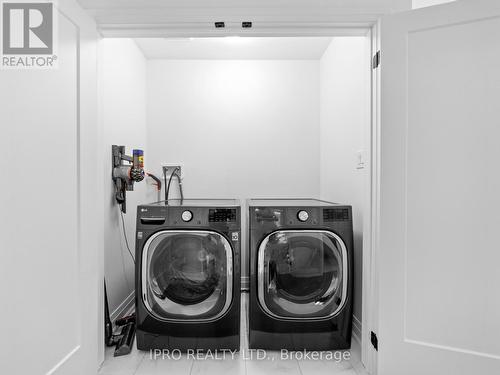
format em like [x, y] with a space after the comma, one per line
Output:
[187, 216]
[302, 215]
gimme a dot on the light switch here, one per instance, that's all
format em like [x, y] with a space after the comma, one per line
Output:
[360, 159]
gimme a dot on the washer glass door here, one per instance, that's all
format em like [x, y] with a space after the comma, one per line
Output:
[187, 275]
[302, 274]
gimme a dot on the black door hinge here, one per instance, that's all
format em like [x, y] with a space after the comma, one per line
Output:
[374, 340]
[376, 60]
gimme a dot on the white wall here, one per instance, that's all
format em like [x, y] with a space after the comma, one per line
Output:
[344, 114]
[122, 85]
[241, 128]
[427, 3]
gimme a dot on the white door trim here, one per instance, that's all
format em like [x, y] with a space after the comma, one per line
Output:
[86, 356]
[270, 18]
[204, 31]
[370, 230]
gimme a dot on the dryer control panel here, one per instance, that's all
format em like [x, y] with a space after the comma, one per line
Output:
[279, 217]
[299, 216]
[302, 216]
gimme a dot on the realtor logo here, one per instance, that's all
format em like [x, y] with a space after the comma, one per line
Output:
[27, 28]
[28, 35]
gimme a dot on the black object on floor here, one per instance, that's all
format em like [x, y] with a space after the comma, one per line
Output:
[125, 339]
[125, 320]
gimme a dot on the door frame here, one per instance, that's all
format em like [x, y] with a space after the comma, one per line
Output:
[372, 207]
[368, 27]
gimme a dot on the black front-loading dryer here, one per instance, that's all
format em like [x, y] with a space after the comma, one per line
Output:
[188, 275]
[300, 274]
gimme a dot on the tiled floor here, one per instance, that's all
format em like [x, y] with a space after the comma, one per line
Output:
[142, 363]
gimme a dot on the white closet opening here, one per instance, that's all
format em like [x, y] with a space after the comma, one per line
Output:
[246, 117]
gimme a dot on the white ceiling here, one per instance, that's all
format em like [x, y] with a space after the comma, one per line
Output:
[160, 18]
[234, 48]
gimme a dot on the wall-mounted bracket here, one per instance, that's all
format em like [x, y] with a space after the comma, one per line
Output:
[124, 175]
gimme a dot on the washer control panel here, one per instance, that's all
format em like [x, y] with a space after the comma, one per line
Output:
[149, 216]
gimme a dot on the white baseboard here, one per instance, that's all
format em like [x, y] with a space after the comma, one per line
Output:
[123, 308]
[356, 329]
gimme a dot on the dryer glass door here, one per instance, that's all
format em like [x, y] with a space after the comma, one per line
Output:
[187, 275]
[302, 274]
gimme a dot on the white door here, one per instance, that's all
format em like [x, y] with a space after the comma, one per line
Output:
[439, 243]
[48, 248]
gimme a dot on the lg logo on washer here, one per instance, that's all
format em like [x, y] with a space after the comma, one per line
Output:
[28, 31]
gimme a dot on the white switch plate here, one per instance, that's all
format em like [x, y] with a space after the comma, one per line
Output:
[360, 159]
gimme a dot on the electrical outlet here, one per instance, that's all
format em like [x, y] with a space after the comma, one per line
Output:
[168, 169]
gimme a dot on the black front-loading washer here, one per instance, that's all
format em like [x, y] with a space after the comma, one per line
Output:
[188, 275]
[301, 274]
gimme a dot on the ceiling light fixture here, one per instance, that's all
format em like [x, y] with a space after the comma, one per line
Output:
[232, 38]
